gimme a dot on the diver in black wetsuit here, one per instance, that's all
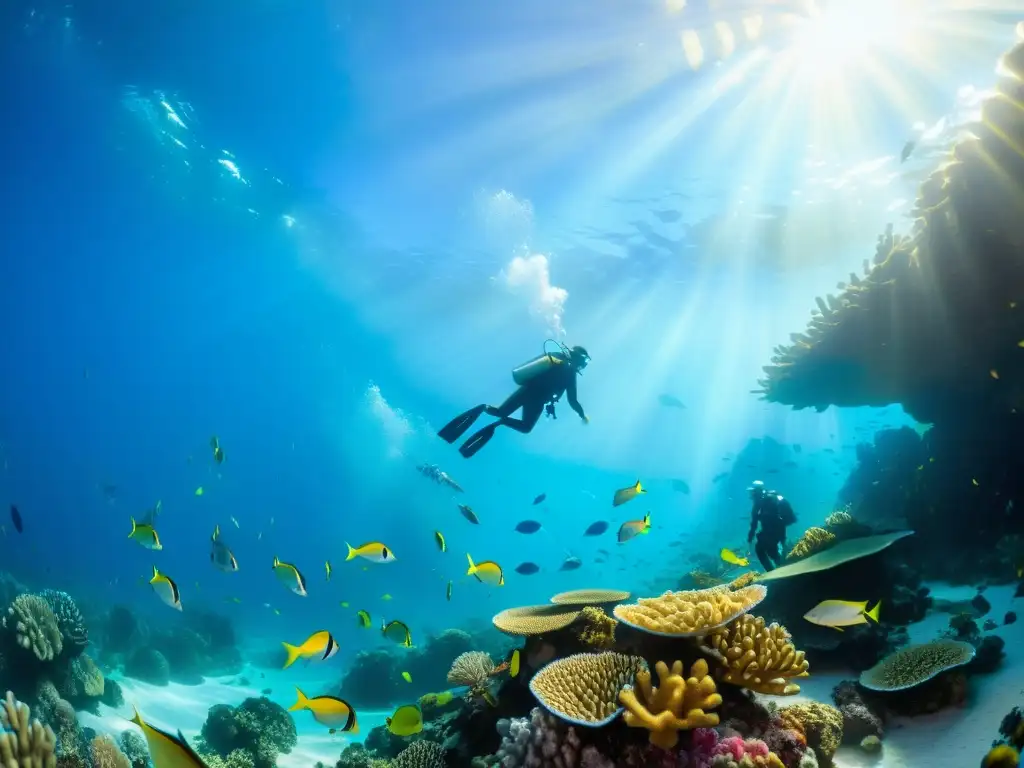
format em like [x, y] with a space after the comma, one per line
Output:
[773, 513]
[542, 381]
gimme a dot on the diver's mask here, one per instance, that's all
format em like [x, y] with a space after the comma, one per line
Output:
[756, 490]
[579, 357]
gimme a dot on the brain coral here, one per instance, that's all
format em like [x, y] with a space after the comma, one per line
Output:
[535, 619]
[758, 657]
[34, 626]
[584, 688]
[690, 613]
[915, 664]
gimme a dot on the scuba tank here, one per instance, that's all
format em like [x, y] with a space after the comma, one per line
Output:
[544, 362]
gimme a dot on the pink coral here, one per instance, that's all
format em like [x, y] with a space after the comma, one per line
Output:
[732, 746]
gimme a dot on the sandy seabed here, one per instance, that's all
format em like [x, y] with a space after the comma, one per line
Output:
[953, 738]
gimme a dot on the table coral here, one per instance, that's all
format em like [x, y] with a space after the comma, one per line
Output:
[530, 620]
[757, 656]
[584, 688]
[916, 664]
[676, 704]
[34, 626]
[590, 597]
[690, 613]
[822, 724]
[29, 744]
[814, 540]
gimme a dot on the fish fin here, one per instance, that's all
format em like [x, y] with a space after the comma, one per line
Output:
[639, 488]
[472, 565]
[293, 654]
[276, 562]
[216, 532]
[351, 552]
[301, 700]
[134, 526]
[156, 575]
[354, 728]
[837, 629]
[137, 718]
[873, 613]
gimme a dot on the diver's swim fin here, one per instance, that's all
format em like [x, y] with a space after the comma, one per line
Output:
[458, 426]
[478, 440]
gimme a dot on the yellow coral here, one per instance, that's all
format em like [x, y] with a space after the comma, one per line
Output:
[757, 657]
[598, 629]
[690, 613]
[530, 620]
[583, 689]
[29, 744]
[821, 724]
[744, 580]
[814, 540]
[677, 704]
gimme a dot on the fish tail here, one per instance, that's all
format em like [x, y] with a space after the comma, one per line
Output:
[134, 526]
[873, 613]
[293, 654]
[351, 552]
[301, 700]
[156, 575]
[137, 718]
[639, 488]
[216, 533]
[276, 561]
[472, 566]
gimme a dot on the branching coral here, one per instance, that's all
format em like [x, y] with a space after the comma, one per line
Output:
[598, 631]
[29, 744]
[822, 724]
[756, 656]
[69, 620]
[106, 754]
[584, 688]
[676, 704]
[34, 626]
[530, 620]
[915, 664]
[471, 668]
[690, 613]
[813, 541]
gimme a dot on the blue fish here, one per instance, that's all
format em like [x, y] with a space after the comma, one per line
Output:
[528, 526]
[596, 529]
[527, 569]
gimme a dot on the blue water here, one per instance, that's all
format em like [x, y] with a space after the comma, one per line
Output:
[295, 225]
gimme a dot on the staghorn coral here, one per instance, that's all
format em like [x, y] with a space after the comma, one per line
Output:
[531, 620]
[676, 704]
[822, 725]
[590, 597]
[106, 754]
[813, 541]
[29, 744]
[471, 668]
[916, 664]
[756, 656]
[420, 754]
[584, 688]
[69, 620]
[34, 626]
[598, 631]
[690, 613]
[843, 552]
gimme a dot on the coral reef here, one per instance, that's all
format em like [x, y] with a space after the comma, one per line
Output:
[676, 704]
[584, 688]
[859, 720]
[756, 656]
[74, 633]
[688, 614]
[420, 754]
[471, 668]
[258, 727]
[134, 748]
[106, 754]
[814, 540]
[536, 619]
[32, 621]
[149, 665]
[916, 664]
[590, 597]
[598, 630]
[821, 724]
[28, 744]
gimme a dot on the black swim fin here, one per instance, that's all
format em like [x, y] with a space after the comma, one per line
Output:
[458, 426]
[478, 440]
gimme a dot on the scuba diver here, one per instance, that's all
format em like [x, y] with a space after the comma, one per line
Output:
[773, 513]
[542, 381]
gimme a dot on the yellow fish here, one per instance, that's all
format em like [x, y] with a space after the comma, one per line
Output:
[145, 534]
[513, 664]
[290, 576]
[407, 720]
[439, 538]
[385, 596]
[632, 528]
[407, 677]
[218, 452]
[1001, 756]
[363, 618]
[627, 494]
[487, 572]
[397, 631]
[166, 589]
[841, 613]
[327, 710]
[732, 558]
[327, 567]
[199, 491]
[373, 551]
[321, 644]
[167, 750]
